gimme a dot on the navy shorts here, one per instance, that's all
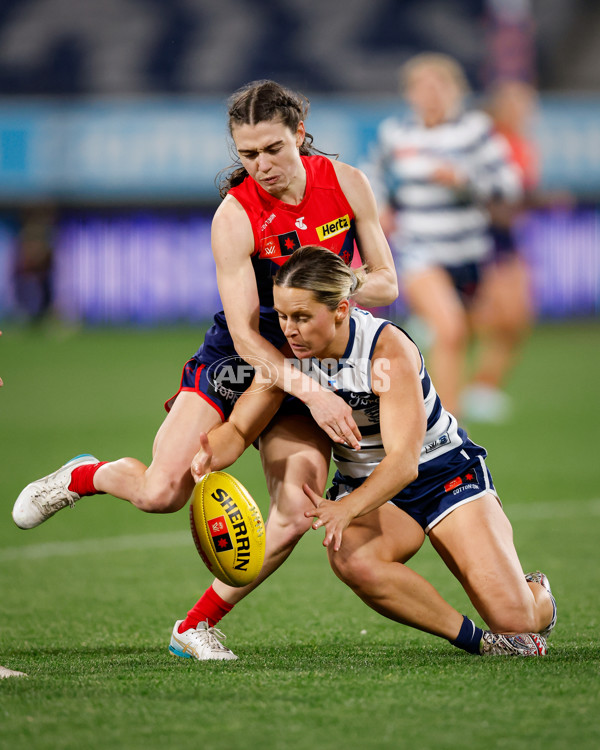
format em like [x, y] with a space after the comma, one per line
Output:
[466, 278]
[220, 394]
[216, 372]
[196, 377]
[505, 245]
[433, 498]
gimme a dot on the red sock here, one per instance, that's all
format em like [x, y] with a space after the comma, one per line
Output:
[209, 607]
[82, 479]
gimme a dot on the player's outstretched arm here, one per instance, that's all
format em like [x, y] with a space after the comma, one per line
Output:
[395, 378]
[225, 443]
[232, 242]
[381, 285]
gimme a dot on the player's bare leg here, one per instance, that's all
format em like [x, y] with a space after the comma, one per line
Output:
[371, 561]
[430, 294]
[293, 451]
[502, 317]
[166, 485]
[476, 543]
[163, 487]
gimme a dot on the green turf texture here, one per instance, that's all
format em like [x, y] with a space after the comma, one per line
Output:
[88, 600]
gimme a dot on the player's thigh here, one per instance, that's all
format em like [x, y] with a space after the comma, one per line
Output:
[294, 451]
[476, 543]
[177, 440]
[386, 534]
[431, 294]
[503, 299]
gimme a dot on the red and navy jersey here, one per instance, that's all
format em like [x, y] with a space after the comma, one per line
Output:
[324, 217]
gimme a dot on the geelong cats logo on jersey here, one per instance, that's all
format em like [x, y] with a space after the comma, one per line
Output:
[279, 245]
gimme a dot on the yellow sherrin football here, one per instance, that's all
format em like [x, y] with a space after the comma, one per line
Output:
[228, 528]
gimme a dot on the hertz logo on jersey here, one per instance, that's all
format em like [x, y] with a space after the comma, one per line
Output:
[334, 227]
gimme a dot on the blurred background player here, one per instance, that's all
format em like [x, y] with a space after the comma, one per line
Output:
[503, 309]
[281, 195]
[33, 263]
[434, 175]
[417, 473]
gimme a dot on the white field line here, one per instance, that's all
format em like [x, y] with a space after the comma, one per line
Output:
[536, 511]
[97, 546]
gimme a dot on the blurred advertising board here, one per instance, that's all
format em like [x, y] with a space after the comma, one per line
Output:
[169, 150]
[147, 267]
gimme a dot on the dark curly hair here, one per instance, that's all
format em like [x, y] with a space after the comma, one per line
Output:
[262, 101]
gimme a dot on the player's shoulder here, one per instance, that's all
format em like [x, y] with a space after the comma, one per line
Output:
[395, 344]
[231, 223]
[350, 178]
[229, 208]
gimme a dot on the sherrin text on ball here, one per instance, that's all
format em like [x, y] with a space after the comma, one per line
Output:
[228, 528]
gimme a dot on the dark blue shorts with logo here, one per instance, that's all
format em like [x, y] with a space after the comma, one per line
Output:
[456, 480]
[219, 375]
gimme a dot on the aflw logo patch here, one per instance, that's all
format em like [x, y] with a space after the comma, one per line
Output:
[220, 534]
[334, 227]
[279, 245]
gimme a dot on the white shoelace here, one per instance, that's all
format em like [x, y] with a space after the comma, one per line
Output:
[212, 637]
[52, 500]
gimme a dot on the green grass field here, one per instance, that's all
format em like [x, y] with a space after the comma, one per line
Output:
[88, 600]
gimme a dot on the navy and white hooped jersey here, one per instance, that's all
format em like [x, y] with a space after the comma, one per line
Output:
[437, 223]
[351, 378]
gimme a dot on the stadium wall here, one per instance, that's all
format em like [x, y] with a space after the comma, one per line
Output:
[131, 186]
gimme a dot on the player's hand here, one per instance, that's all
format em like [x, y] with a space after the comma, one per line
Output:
[202, 460]
[334, 516]
[334, 416]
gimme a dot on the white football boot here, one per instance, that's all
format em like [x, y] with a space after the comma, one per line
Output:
[6, 672]
[521, 644]
[200, 643]
[43, 498]
[482, 403]
[539, 577]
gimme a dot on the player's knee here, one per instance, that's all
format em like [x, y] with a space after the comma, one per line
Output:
[452, 332]
[163, 498]
[289, 529]
[354, 569]
[517, 616]
[512, 325]
[286, 527]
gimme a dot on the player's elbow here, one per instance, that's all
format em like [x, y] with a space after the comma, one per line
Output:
[242, 342]
[407, 468]
[411, 466]
[390, 290]
[379, 291]
[412, 473]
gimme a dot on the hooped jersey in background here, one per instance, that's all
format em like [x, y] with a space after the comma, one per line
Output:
[323, 217]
